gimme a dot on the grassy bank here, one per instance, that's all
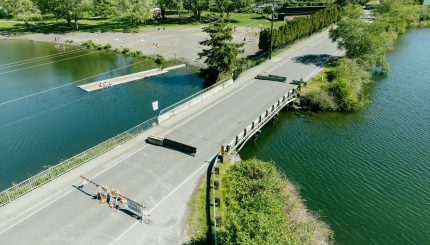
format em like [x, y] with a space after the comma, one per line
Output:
[158, 59]
[341, 87]
[258, 205]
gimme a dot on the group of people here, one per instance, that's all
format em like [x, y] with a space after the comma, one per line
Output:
[58, 44]
[113, 198]
[105, 85]
[155, 45]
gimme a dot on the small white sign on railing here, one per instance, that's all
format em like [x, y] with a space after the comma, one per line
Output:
[155, 105]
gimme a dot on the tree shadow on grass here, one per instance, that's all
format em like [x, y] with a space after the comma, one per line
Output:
[320, 60]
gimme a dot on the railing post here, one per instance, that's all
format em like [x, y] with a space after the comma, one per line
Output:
[49, 173]
[8, 197]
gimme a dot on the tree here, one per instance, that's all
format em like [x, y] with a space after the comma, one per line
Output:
[166, 4]
[102, 8]
[196, 7]
[242, 5]
[71, 10]
[133, 11]
[222, 54]
[24, 10]
[361, 42]
[221, 6]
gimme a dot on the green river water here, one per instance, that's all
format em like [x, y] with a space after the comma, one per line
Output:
[368, 173]
[45, 117]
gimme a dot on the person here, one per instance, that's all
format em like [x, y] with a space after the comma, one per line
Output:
[108, 197]
[99, 193]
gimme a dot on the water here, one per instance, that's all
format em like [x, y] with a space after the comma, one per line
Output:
[51, 126]
[367, 173]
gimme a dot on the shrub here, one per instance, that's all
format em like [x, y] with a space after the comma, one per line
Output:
[137, 54]
[107, 46]
[126, 51]
[88, 44]
[301, 27]
[262, 207]
[98, 46]
[160, 59]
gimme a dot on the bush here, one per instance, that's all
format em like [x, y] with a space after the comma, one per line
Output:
[301, 27]
[137, 54]
[126, 51]
[107, 46]
[318, 98]
[160, 60]
[98, 46]
[262, 207]
[88, 44]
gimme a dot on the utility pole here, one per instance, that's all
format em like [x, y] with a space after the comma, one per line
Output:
[271, 30]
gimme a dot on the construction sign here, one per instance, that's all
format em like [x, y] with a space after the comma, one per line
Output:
[134, 206]
[115, 198]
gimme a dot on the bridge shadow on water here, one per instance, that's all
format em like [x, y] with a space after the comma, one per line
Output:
[320, 60]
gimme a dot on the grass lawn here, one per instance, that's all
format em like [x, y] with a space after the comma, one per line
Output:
[254, 19]
[50, 25]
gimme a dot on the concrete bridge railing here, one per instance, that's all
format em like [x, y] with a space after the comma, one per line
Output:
[53, 172]
[239, 141]
[194, 99]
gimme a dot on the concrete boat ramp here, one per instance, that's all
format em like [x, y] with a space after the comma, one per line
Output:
[108, 83]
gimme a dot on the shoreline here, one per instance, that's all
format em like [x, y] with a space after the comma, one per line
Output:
[180, 44]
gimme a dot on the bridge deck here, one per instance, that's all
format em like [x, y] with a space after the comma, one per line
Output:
[127, 78]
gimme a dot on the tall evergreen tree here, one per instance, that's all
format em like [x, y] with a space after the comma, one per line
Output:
[222, 55]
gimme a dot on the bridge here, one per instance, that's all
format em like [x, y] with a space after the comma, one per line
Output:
[225, 115]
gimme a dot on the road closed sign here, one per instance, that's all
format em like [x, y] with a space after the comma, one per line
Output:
[134, 206]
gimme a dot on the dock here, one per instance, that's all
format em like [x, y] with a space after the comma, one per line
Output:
[108, 83]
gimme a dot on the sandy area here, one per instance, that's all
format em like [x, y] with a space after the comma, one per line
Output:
[173, 43]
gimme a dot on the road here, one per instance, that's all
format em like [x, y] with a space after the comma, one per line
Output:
[162, 179]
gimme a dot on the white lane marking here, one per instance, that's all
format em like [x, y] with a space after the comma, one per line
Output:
[51, 202]
[160, 202]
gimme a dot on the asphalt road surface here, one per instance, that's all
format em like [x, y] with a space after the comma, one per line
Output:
[162, 179]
